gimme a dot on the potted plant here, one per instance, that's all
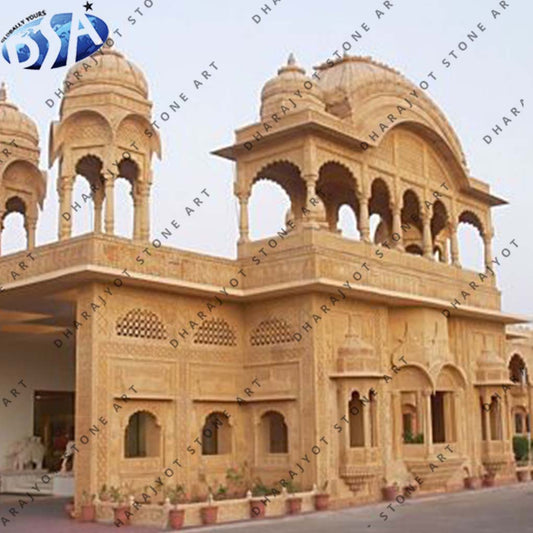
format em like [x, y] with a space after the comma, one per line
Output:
[176, 516]
[236, 478]
[88, 509]
[322, 498]
[120, 508]
[103, 495]
[69, 508]
[489, 479]
[258, 489]
[294, 503]
[209, 513]
[390, 490]
[521, 454]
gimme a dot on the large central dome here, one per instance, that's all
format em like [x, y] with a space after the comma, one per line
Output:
[112, 69]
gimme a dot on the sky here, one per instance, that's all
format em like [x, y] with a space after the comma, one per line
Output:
[173, 42]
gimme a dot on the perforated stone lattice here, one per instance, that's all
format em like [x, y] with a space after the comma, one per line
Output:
[142, 324]
[216, 331]
[274, 331]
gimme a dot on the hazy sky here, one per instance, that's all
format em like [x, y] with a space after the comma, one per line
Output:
[174, 41]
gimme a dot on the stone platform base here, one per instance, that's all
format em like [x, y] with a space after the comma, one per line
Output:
[21, 481]
[63, 484]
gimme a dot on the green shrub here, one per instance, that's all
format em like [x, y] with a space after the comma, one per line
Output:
[520, 448]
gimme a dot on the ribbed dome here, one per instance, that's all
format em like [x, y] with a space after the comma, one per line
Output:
[351, 79]
[278, 90]
[113, 69]
[15, 124]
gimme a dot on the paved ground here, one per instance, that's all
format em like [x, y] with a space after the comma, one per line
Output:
[499, 510]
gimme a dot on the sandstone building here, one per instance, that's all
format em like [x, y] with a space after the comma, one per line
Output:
[314, 360]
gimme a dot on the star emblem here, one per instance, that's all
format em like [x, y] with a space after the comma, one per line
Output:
[88, 6]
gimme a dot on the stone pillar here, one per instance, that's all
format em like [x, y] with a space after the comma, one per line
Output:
[486, 417]
[427, 244]
[454, 245]
[367, 426]
[397, 226]
[317, 218]
[364, 219]
[397, 423]
[244, 225]
[145, 211]
[98, 199]
[428, 429]
[93, 400]
[445, 252]
[419, 412]
[487, 240]
[135, 194]
[110, 206]
[65, 187]
[30, 223]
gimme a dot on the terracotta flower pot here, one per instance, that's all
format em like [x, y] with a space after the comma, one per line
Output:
[523, 475]
[470, 483]
[389, 493]
[88, 513]
[294, 505]
[321, 502]
[209, 514]
[489, 480]
[176, 518]
[257, 509]
[120, 513]
[69, 509]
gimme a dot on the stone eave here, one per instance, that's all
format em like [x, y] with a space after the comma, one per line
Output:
[69, 278]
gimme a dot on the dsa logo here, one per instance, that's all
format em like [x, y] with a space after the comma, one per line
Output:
[53, 41]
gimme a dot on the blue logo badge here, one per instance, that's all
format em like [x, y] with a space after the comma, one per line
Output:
[53, 41]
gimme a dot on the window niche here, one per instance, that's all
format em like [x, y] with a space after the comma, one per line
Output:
[143, 436]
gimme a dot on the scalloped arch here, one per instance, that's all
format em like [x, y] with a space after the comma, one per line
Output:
[468, 216]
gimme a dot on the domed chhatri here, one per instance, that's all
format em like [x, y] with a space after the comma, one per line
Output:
[15, 125]
[278, 90]
[109, 68]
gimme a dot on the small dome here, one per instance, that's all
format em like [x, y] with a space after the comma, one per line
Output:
[112, 69]
[349, 81]
[278, 90]
[13, 123]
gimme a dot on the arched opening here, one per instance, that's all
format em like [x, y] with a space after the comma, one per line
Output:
[357, 430]
[521, 421]
[411, 223]
[495, 419]
[470, 238]
[274, 433]
[347, 223]
[143, 436]
[87, 196]
[410, 423]
[439, 233]
[216, 435]
[126, 186]
[336, 187]
[380, 205]
[518, 370]
[269, 207]
[414, 249]
[14, 236]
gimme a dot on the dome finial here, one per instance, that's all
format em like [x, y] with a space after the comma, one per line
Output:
[3, 92]
[292, 60]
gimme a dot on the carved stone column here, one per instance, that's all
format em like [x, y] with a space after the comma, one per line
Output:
[110, 206]
[397, 226]
[396, 423]
[136, 196]
[65, 186]
[317, 218]
[364, 219]
[454, 245]
[428, 431]
[244, 225]
[427, 244]
[30, 223]
[367, 427]
[98, 198]
[145, 211]
[487, 240]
